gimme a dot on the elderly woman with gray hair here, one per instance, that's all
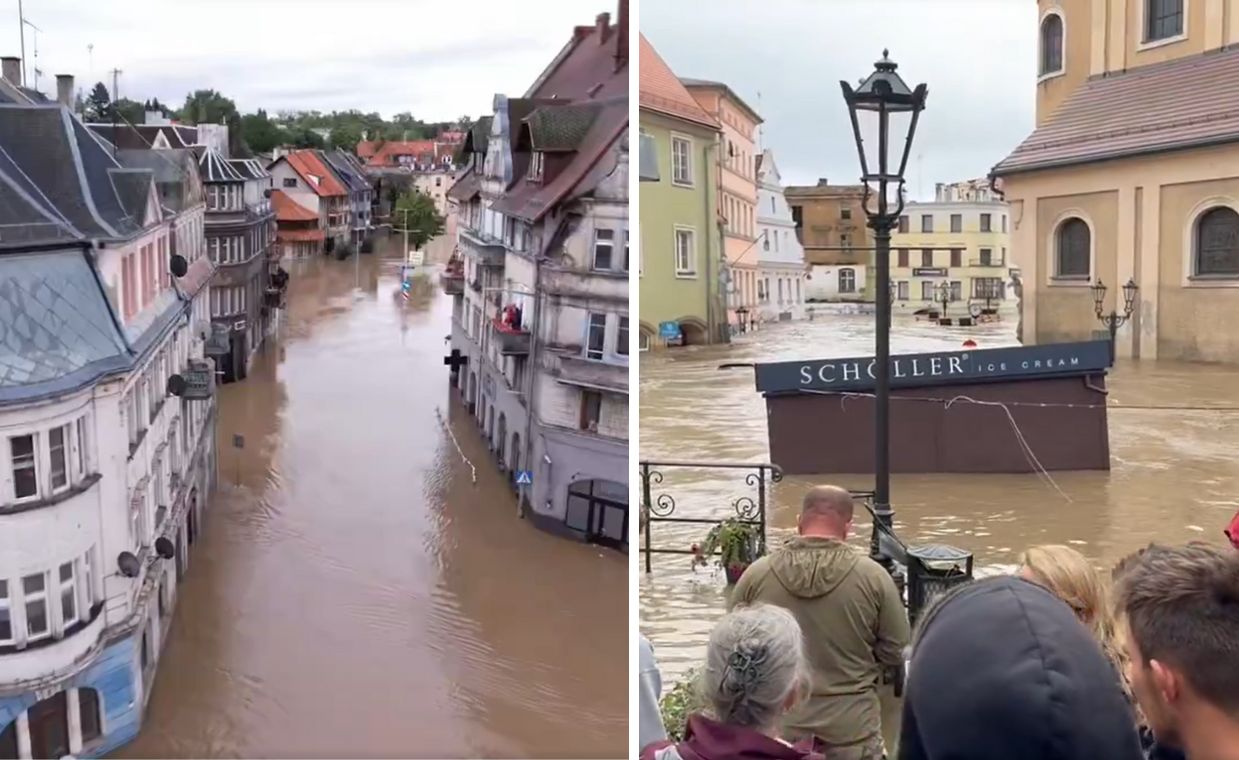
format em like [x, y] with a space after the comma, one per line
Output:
[755, 671]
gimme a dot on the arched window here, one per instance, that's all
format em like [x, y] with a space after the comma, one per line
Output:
[1217, 243]
[1051, 44]
[1072, 242]
[847, 280]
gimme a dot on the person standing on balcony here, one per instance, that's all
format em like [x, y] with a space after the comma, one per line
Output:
[853, 619]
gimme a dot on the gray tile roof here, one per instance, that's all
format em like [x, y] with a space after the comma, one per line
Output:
[561, 128]
[1185, 103]
[56, 328]
[67, 167]
[216, 168]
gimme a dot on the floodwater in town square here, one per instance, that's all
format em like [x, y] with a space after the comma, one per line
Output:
[356, 593]
[1174, 477]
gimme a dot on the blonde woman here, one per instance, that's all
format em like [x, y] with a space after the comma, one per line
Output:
[1067, 574]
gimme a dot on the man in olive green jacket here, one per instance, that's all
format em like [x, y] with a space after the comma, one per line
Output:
[853, 619]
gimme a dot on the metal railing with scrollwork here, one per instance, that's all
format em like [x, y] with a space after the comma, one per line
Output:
[660, 508]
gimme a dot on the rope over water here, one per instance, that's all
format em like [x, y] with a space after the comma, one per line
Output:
[448, 428]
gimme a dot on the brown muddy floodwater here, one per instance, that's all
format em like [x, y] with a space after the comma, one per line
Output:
[356, 594]
[1175, 473]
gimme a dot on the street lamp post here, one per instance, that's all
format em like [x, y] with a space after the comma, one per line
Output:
[1113, 321]
[944, 297]
[881, 97]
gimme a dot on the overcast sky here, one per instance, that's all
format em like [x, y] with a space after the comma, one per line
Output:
[978, 58]
[437, 59]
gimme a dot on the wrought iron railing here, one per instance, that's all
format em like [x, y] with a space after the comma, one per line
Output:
[660, 508]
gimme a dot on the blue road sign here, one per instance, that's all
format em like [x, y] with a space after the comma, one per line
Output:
[669, 330]
[524, 478]
[406, 285]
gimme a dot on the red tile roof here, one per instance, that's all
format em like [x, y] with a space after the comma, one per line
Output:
[288, 210]
[594, 63]
[310, 166]
[1185, 103]
[663, 92]
[530, 201]
[424, 151]
[299, 236]
[367, 148]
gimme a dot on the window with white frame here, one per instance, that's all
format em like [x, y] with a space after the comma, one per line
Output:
[685, 252]
[6, 614]
[58, 450]
[621, 337]
[69, 612]
[596, 336]
[25, 466]
[604, 249]
[681, 161]
[34, 597]
[847, 280]
[1163, 19]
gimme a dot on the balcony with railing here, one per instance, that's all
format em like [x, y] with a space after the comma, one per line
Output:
[489, 250]
[997, 262]
[580, 283]
[452, 278]
[593, 374]
[511, 331]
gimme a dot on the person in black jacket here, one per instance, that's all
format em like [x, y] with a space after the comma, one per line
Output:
[1001, 668]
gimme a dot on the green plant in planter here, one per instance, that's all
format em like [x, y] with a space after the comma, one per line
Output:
[736, 544]
[676, 705]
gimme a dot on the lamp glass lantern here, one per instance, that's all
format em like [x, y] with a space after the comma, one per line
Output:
[884, 112]
[1099, 296]
[1129, 296]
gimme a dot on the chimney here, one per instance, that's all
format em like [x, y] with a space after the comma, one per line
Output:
[621, 35]
[603, 25]
[822, 182]
[64, 90]
[11, 69]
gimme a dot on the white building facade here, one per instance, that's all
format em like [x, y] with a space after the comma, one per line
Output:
[782, 285]
[106, 433]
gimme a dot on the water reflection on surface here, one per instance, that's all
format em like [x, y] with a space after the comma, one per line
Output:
[354, 593]
[1175, 471]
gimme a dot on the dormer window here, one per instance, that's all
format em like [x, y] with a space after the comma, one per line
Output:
[536, 166]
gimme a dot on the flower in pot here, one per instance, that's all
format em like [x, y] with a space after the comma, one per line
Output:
[734, 541]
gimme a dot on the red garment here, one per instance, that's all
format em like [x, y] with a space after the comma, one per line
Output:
[1232, 531]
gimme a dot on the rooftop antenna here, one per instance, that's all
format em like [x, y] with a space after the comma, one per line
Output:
[759, 145]
[115, 97]
[21, 25]
[36, 54]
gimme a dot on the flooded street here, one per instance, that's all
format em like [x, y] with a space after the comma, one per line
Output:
[1175, 473]
[355, 593]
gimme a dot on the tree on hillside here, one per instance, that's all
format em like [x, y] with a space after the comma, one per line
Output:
[346, 136]
[416, 212]
[99, 104]
[207, 107]
[305, 138]
[130, 111]
[260, 133]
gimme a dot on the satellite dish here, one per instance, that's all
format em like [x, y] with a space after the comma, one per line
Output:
[176, 385]
[178, 265]
[165, 548]
[128, 564]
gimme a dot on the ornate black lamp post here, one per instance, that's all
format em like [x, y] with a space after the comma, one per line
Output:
[882, 97]
[1113, 321]
[944, 296]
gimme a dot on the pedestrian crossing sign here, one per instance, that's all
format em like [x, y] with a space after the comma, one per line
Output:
[524, 478]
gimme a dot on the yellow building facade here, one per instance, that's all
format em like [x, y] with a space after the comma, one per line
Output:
[962, 241]
[1132, 174]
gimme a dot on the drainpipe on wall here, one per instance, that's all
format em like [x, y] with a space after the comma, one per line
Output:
[716, 302]
[532, 369]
